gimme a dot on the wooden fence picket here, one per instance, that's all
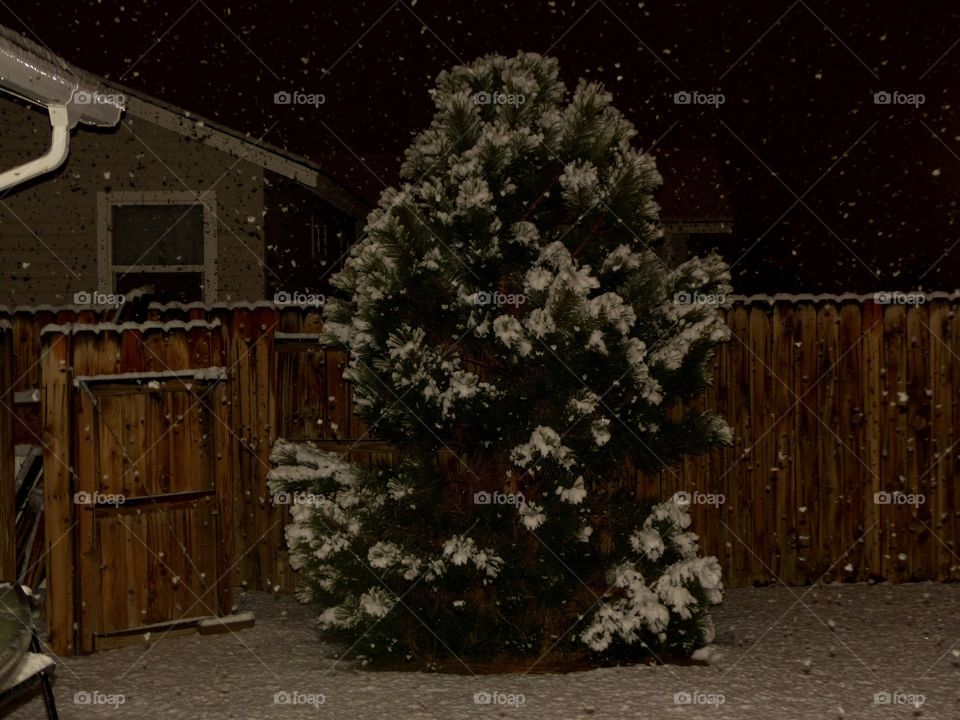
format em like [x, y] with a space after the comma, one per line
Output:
[833, 403]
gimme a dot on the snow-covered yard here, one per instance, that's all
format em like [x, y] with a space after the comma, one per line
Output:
[826, 658]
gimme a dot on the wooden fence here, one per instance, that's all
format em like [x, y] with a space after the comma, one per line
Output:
[837, 405]
[843, 413]
[137, 401]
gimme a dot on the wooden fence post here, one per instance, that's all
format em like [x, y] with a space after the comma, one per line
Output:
[222, 467]
[243, 492]
[57, 491]
[268, 530]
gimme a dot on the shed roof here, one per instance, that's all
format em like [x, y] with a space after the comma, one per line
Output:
[33, 73]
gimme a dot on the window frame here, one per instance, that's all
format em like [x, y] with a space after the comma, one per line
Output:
[106, 270]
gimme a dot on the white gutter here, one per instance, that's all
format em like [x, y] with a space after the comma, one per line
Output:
[30, 72]
[54, 158]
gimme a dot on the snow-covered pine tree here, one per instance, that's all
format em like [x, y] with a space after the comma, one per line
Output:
[514, 337]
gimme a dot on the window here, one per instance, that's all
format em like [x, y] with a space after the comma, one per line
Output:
[163, 239]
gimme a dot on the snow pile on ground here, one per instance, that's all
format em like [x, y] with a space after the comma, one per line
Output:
[850, 652]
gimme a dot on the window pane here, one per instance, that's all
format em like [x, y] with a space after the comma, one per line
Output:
[182, 287]
[158, 235]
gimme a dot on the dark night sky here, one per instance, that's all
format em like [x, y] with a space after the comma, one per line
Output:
[799, 102]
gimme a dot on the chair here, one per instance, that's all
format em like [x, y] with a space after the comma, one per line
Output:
[22, 663]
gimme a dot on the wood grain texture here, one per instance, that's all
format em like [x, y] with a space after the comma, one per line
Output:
[832, 404]
[58, 493]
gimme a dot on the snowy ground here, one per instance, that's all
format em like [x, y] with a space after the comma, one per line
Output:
[824, 659]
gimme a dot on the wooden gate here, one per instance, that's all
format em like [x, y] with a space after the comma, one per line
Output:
[148, 508]
[138, 499]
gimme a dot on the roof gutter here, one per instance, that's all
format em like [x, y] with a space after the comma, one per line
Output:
[31, 73]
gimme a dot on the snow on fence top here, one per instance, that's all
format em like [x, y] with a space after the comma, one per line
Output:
[844, 297]
[209, 374]
[814, 298]
[29, 309]
[73, 329]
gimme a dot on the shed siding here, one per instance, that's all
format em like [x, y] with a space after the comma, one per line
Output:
[59, 210]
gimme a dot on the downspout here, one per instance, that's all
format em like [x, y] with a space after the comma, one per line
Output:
[34, 74]
[54, 157]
